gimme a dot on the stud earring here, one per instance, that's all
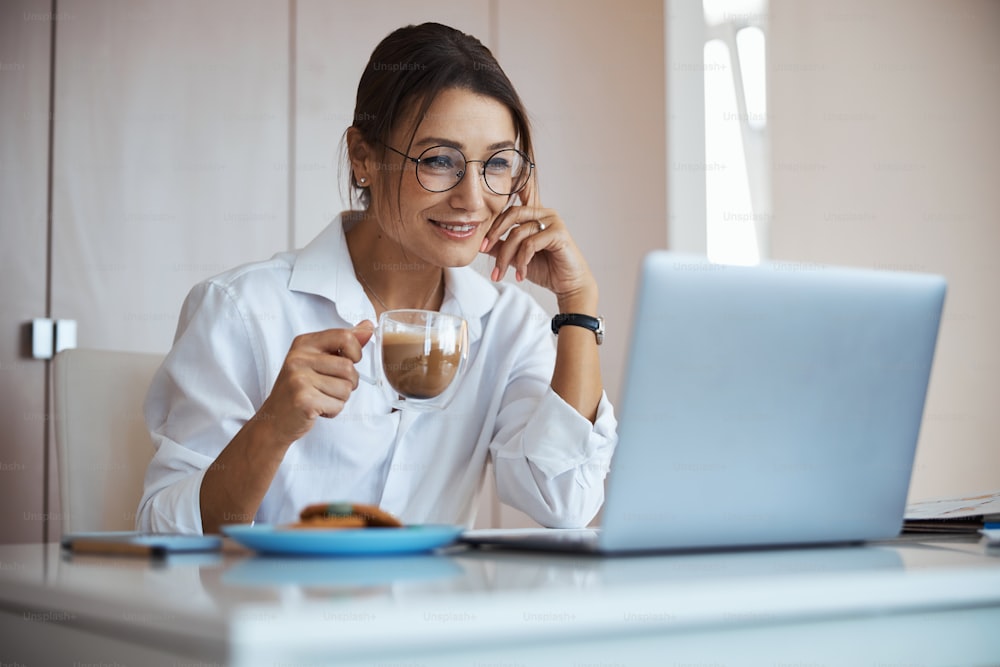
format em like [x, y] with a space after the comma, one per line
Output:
[362, 180]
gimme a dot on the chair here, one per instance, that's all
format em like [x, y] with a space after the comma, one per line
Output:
[101, 438]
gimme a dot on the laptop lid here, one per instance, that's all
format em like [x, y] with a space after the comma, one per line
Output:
[769, 405]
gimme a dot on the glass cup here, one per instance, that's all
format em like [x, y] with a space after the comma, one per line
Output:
[422, 355]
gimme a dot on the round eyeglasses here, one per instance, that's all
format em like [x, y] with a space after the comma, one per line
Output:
[440, 168]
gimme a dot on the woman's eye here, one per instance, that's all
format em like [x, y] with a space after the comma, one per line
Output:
[439, 162]
[498, 166]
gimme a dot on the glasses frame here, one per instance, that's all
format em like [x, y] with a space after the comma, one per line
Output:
[482, 172]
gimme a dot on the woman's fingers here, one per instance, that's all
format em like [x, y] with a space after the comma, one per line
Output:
[529, 247]
[528, 231]
[518, 249]
[317, 378]
[331, 395]
[513, 218]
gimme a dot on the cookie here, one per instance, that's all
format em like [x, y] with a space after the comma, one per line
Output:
[330, 522]
[368, 515]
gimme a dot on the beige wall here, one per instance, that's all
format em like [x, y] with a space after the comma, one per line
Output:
[24, 130]
[886, 154]
[169, 157]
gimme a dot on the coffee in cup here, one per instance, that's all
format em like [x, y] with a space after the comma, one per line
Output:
[422, 354]
[417, 367]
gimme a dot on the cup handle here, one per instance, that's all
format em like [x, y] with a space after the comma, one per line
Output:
[364, 376]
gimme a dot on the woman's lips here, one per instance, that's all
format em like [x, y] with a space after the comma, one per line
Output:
[460, 230]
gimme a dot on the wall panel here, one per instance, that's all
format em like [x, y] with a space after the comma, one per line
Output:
[170, 157]
[170, 160]
[25, 27]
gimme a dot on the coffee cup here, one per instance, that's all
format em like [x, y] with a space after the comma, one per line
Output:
[422, 354]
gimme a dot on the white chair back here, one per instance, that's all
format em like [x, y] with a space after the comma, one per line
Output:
[101, 438]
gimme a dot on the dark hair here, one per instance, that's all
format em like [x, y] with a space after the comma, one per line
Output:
[410, 67]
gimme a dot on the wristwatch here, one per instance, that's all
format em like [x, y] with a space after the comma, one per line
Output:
[595, 324]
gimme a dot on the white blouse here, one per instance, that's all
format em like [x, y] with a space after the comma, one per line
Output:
[425, 467]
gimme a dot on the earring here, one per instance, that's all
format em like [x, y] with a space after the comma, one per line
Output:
[362, 180]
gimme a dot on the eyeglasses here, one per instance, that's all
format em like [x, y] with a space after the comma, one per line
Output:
[440, 168]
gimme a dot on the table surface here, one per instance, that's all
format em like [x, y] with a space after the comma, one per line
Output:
[465, 606]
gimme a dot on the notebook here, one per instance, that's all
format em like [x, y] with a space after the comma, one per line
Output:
[963, 514]
[762, 406]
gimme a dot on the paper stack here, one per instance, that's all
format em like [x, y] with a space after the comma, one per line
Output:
[968, 514]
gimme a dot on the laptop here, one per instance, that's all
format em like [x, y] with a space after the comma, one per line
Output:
[764, 406]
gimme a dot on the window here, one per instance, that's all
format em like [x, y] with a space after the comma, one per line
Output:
[719, 176]
[736, 183]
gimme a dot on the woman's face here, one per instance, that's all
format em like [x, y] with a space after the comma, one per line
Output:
[445, 228]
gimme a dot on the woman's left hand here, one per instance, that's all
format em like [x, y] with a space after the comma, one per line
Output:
[539, 247]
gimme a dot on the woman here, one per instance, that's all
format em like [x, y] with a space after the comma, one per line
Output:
[258, 411]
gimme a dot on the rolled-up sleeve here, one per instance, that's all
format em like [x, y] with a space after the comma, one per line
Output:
[202, 395]
[549, 460]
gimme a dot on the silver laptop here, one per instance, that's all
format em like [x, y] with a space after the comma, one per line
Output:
[762, 406]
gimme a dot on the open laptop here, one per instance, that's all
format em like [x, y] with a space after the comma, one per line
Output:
[762, 406]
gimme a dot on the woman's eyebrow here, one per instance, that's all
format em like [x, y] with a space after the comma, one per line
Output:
[440, 141]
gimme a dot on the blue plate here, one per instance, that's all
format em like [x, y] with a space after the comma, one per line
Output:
[268, 539]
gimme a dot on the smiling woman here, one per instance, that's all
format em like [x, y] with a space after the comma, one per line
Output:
[429, 211]
[260, 417]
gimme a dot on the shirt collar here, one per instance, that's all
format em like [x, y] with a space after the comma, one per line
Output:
[324, 268]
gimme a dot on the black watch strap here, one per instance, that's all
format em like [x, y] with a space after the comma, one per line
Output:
[595, 324]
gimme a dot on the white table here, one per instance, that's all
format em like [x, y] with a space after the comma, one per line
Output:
[900, 603]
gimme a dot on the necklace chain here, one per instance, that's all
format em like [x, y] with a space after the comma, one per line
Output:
[371, 289]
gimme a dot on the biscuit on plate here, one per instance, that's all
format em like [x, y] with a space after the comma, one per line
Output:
[345, 515]
[329, 522]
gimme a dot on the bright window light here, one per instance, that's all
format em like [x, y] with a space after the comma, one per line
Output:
[750, 47]
[732, 237]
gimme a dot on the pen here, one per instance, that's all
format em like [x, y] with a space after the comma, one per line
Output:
[106, 547]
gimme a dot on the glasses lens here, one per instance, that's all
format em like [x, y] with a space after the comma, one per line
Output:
[440, 168]
[507, 171]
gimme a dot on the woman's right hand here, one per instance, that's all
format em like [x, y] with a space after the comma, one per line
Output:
[316, 380]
